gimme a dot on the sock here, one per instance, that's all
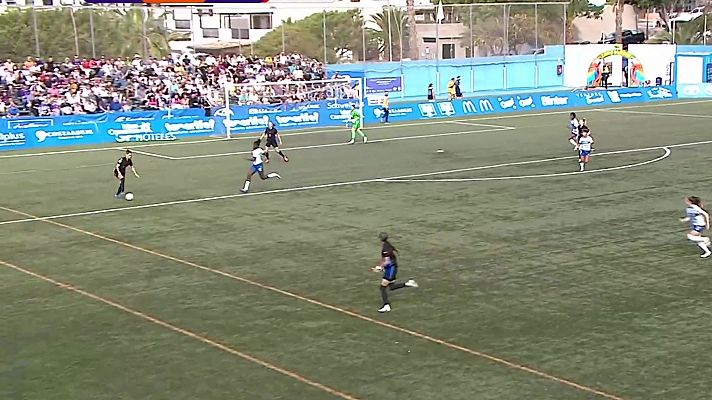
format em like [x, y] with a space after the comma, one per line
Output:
[360, 132]
[272, 175]
[121, 187]
[247, 186]
[267, 156]
[384, 294]
[281, 154]
[396, 285]
[700, 241]
[581, 165]
[353, 134]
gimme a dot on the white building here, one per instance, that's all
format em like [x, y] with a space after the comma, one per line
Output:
[242, 24]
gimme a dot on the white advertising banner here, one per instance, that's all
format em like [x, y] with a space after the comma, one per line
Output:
[641, 63]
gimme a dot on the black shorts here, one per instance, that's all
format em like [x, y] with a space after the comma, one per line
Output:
[390, 273]
[116, 174]
[272, 143]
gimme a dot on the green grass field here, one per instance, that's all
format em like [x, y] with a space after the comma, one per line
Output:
[562, 286]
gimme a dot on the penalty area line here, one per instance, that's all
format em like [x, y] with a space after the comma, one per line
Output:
[325, 186]
[385, 140]
[665, 155]
[475, 117]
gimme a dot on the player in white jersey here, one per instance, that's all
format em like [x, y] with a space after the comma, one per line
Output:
[585, 145]
[257, 166]
[699, 220]
[574, 130]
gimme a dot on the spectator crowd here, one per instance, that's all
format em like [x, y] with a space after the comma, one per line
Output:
[49, 87]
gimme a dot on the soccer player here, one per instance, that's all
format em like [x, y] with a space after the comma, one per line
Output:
[389, 266]
[356, 125]
[257, 166]
[699, 220]
[273, 141]
[120, 172]
[574, 130]
[585, 144]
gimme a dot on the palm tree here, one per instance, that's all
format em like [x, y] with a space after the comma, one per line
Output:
[390, 34]
[141, 33]
[412, 33]
[618, 6]
[692, 32]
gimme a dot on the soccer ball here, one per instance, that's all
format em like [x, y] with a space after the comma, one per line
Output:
[129, 196]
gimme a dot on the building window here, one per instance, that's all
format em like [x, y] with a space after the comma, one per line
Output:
[11, 2]
[46, 2]
[241, 34]
[182, 24]
[209, 21]
[429, 40]
[448, 51]
[212, 33]
[261, 21]
[235, 21]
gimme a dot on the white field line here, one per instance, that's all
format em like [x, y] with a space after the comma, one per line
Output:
[466, 122]
[327, 185]
[317, 146]
[343, 129]
[31, 171]
[145, 153]
[659, 114]
[665, 155]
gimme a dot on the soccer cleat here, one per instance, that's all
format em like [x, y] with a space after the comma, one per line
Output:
[385, 308]
[365, 140]
[707, 254]
[243, 191]
[276, 175]
[118, 196]
[351, 142]
[267, 161]
[411, 283]
[286, 159]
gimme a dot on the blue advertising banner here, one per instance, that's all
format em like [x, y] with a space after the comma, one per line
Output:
[694, 90]
[150, 126]
[243, 119]
[20, 133]
[383, 85]
[517, 103]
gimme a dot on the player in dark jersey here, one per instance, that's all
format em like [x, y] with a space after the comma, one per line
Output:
[274, 141]
[120, 172]
[389, 266]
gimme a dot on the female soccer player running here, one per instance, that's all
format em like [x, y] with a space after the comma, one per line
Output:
[273, 141]
[257, 166]
[585, 144]
[699, 220]
[389, 266]
[574, 130]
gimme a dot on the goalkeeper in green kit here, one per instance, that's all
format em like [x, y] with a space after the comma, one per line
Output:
[356, 125]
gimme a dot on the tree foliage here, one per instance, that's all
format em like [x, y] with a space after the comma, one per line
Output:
[61, 32]
[344, 36]
[511, 29]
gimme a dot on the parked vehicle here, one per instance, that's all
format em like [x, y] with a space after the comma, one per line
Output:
[629, 37]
